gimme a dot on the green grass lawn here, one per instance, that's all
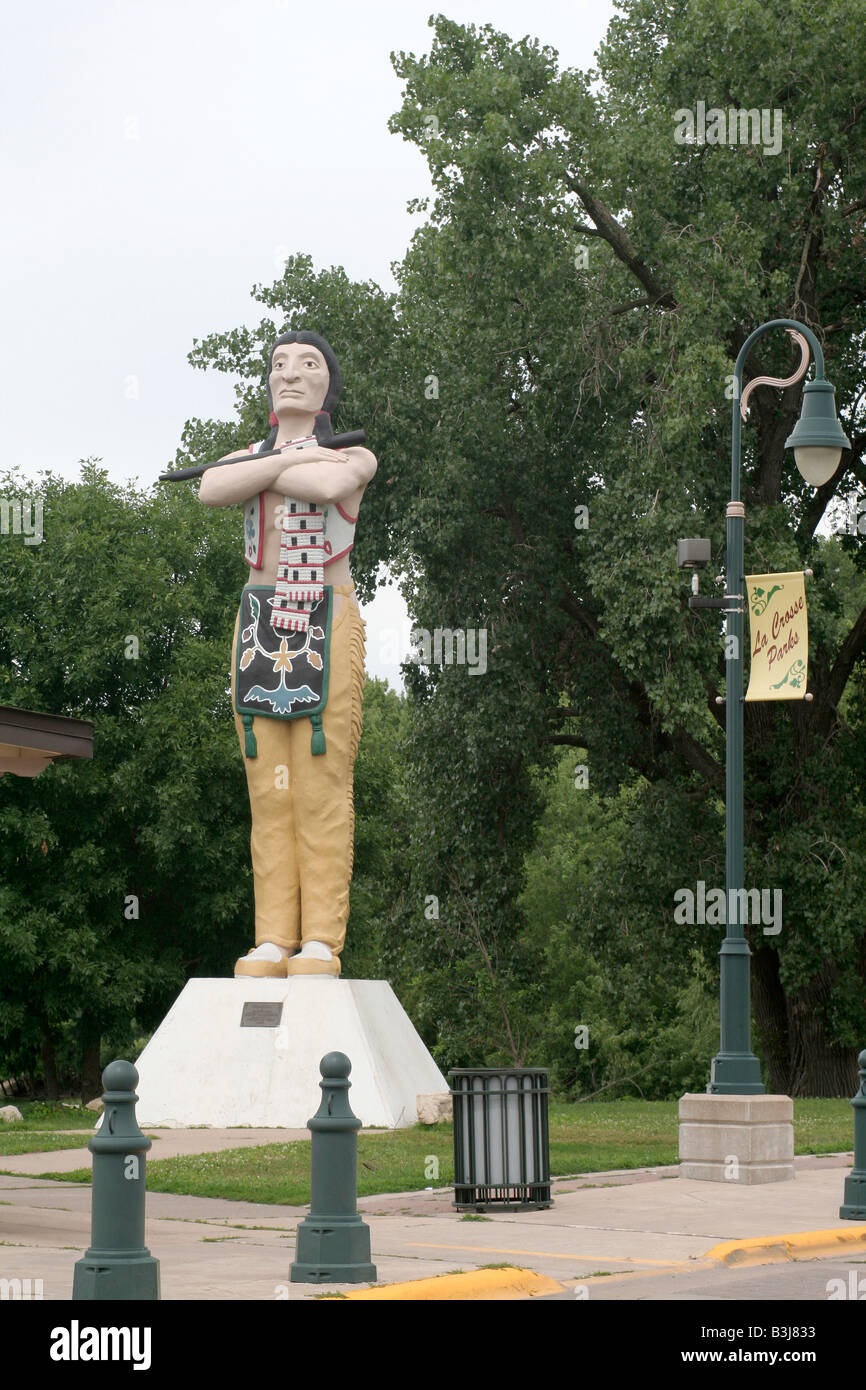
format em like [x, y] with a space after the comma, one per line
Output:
[593, 1137]
[37, 1115]
[37, 1133]
[18, 1140]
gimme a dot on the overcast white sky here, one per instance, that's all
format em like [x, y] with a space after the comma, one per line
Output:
[157, 159]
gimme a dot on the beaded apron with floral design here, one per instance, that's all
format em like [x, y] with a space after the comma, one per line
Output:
[282, 675]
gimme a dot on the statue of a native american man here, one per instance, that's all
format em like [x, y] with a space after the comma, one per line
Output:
[298, 662]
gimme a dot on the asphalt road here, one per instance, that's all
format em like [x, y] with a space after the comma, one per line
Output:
[795, 1281]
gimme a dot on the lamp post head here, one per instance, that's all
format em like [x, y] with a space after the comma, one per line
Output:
[817, 438]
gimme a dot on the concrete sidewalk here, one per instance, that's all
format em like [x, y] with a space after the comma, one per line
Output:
[166, 1143]
[638, 1222]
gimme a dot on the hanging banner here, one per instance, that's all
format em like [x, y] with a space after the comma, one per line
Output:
[779, 628]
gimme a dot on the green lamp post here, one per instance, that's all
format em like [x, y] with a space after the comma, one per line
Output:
[817, 440]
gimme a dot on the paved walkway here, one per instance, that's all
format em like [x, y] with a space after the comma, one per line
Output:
[167, 1143]
[632, 1223]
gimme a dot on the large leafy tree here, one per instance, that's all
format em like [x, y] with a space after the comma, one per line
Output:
[599, 380]
[563, 338]
[614, 1018]
[121, 876]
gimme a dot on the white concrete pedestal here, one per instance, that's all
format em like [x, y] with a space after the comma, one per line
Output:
[737, 1139]
[202, 1067]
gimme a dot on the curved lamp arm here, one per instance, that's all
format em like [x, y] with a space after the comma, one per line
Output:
[781, 382]
[805, 337]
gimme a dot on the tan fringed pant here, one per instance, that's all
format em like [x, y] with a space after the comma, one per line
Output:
[303, 813]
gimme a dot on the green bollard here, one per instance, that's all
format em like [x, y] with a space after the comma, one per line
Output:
[333, 1243]
[118, 1265]
[855, 1184]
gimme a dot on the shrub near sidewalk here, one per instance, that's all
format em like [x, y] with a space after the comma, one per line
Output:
[584, 1138]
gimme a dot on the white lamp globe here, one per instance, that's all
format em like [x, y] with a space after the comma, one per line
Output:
[817, 463]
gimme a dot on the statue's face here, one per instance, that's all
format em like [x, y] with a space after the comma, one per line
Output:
[299, 378]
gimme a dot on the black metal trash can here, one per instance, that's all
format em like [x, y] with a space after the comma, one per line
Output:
[501, 1142]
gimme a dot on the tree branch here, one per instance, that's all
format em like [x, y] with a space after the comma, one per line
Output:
[617, 238]
[488, 965]
[697, 757]
[575, 609]
[854, 117]
[624, 308]
[844, 663]
[679, 742]
[823, 495]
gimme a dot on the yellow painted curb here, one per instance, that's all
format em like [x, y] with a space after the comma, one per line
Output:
[475, 1283]
[802, 1245]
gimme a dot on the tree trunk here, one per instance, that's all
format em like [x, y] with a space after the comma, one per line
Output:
[772, 1043]
[49, 1064]
[91, 1070]
[826, 1071]
[790, 1036]
[817, 1069]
